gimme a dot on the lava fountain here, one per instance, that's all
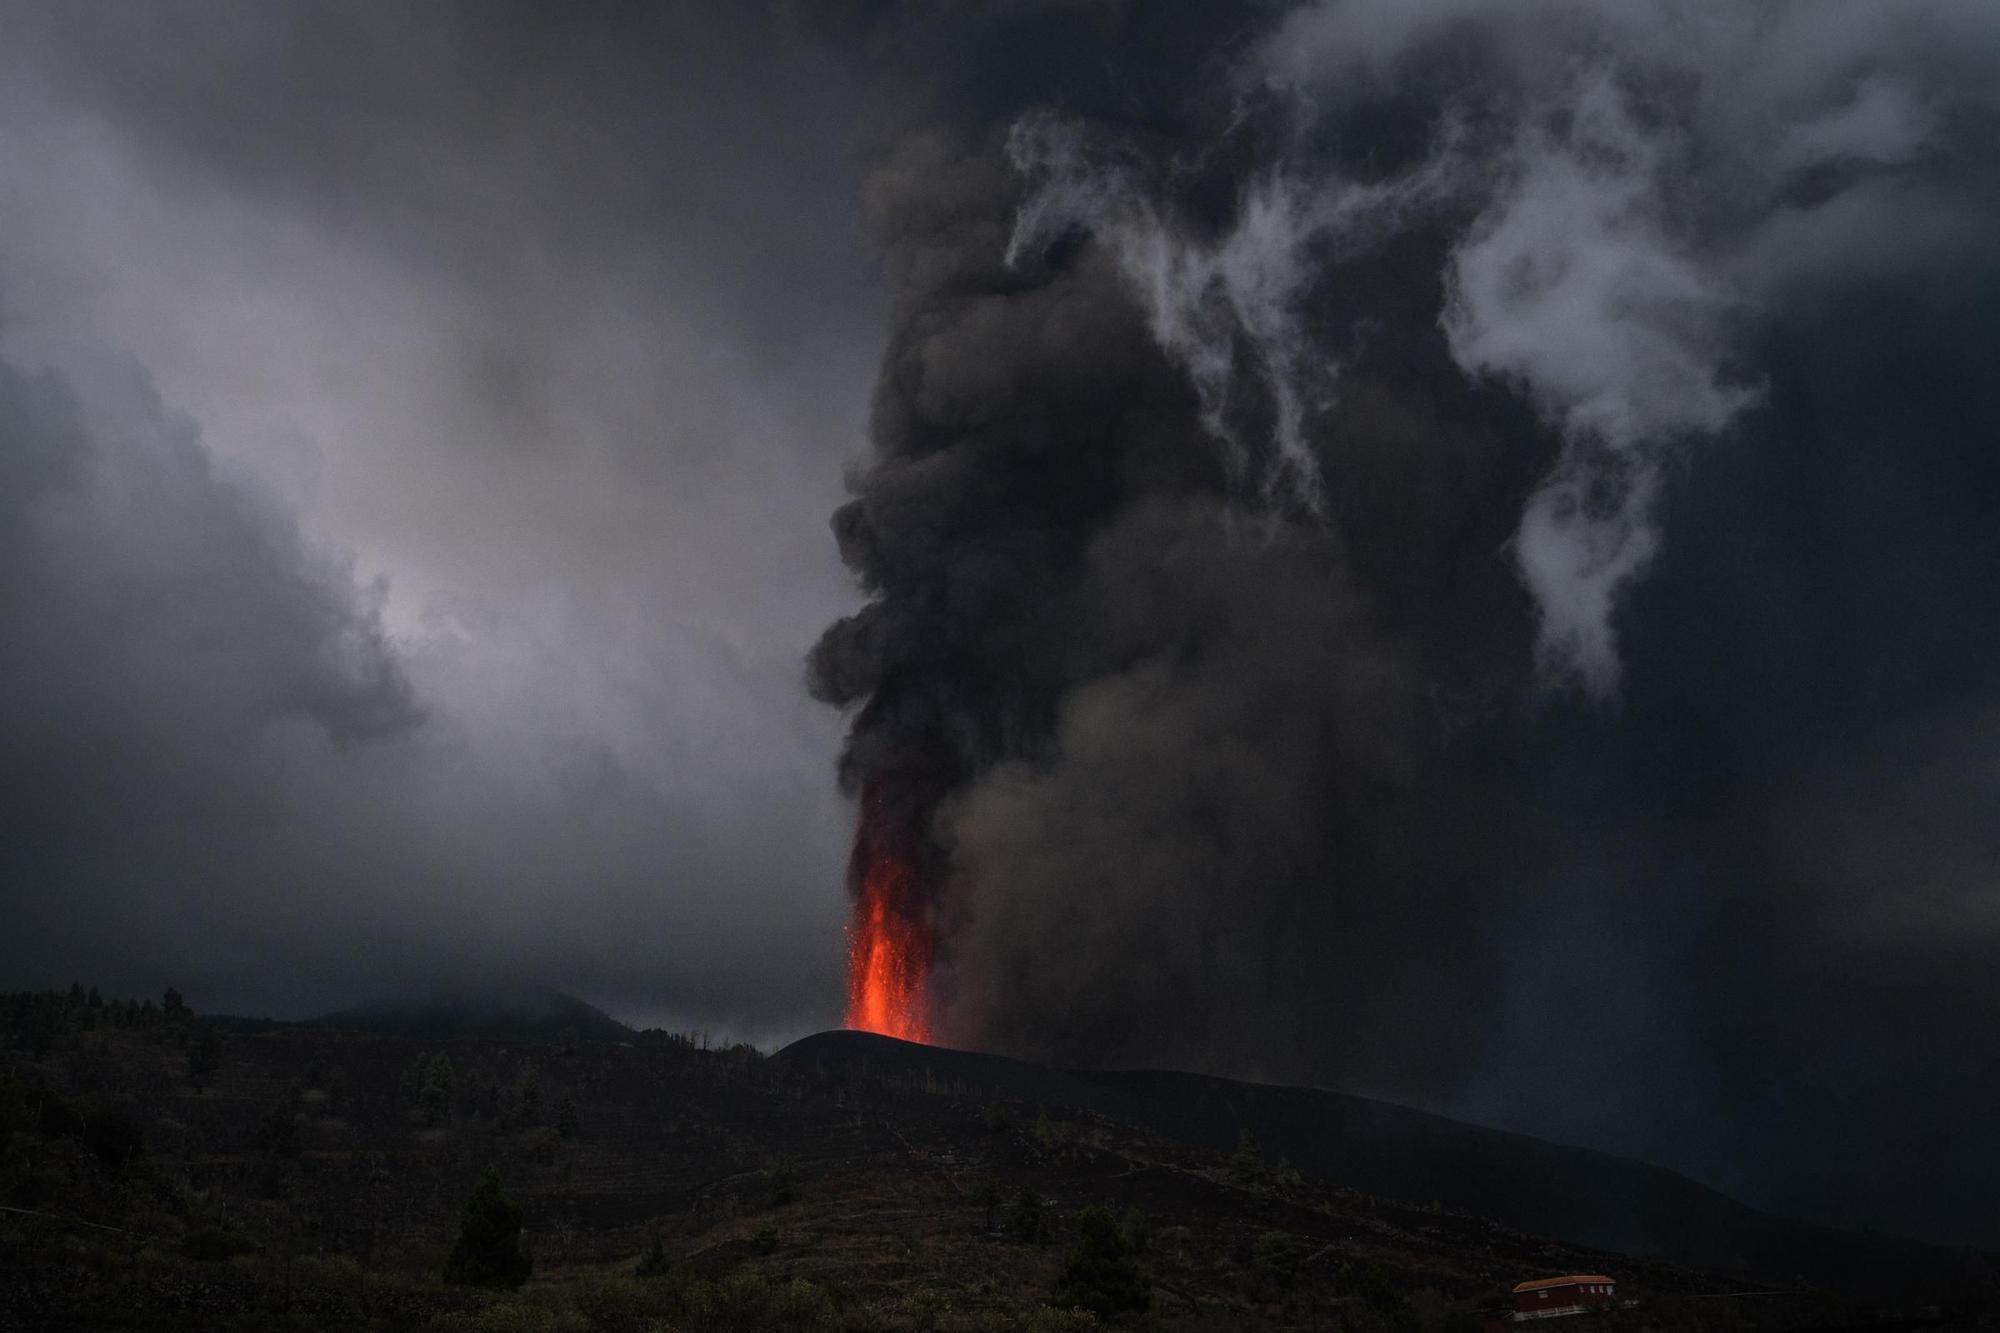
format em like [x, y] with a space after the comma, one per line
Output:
[889, 937]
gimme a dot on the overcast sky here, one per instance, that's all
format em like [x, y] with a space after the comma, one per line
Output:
[542, 343]
[1440, 549]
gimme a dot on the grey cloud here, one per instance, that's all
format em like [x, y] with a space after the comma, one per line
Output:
[221, 771]
[555, 329]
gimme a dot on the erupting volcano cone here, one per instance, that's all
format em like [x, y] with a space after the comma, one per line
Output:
[889, 941]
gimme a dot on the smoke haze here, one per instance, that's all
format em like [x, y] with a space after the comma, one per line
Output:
[1392, 530]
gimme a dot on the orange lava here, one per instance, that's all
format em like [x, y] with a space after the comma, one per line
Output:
[888, 941]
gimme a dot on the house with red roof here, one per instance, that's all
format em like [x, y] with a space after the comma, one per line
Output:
[1551, 1297]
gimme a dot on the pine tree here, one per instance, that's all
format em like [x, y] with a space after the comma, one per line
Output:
[1100, 1273]
[531, 1095]
[1024, 1218]
[206, 1057]
[988, 1198]
[1248, 1159]
[489, 1252]
[415, 1074]
[434, 1085]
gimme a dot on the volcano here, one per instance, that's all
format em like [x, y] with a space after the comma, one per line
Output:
[889, 938]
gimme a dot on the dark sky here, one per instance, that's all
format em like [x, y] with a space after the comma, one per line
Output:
[1445, 550]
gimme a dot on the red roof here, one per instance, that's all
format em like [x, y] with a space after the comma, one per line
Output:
[1575, 1280]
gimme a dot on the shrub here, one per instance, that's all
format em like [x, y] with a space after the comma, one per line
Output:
[989, 1199]
[13, 1105]
[278, 1130]
[654, 1262]
[1137, 1230]
[507, 1316]
[1371, 1283]
[781, 1181]
[802, 1305]
[1024, 1217]
[489, 1252]
[427, 1085]
[741, 1300]
[1248, 1159]
[614, 1304]
[1100, 1273]
[212, 1245]
[330, 1269]
[206, 1057]
[1275, 1257]
[923, 1308]
[114, 1138]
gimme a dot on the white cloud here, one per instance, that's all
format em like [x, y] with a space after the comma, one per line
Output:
[1569, 285]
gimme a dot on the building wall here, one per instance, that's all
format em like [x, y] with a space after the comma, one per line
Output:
[1570, 1299]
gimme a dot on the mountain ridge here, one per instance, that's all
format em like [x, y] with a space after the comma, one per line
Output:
[492, 1013]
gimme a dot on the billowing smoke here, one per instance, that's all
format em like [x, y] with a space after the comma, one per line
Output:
[1383, 519]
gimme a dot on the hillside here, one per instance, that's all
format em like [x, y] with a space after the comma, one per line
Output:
[1575, 1194]
[307, 1177]
[492, 1013]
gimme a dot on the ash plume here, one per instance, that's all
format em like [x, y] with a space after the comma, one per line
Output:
[1369, 501]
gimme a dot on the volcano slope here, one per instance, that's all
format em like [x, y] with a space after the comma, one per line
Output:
[1578, 1195]
[296, 1176]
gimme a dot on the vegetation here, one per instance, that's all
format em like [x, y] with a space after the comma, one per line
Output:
[489, 1252]
[1247, 1162]
[314, 1182]
[1024, 1217]
[1100, 1272]
[206, 1055]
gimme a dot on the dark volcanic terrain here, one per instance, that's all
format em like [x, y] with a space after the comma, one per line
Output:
[312, 1177]
[1591, 1198]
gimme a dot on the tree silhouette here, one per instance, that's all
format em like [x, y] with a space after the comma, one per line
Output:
[489, 1252]
[1024, 1218]
[1099, 1273]
[1248, 1159]
[206, 1057]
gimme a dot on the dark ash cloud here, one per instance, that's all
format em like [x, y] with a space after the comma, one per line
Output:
[1402, 538]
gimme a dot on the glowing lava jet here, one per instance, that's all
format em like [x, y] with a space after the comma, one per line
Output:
[889, 938]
